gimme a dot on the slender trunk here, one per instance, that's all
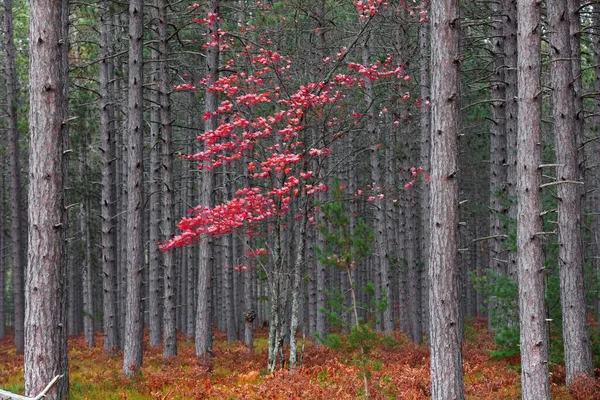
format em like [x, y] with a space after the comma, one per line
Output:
[16, 202]
[274, 294]
[2, 252]
[155, 196]
[88, 298]
[45, 317]
[107, 195]
[228, 288]
[296, 285]
[170, 295]
[445, 324]
[530, 259]
[203, 316]
[134, 318]
[425, 150]
[497, 150]
[87, 278]
[596, 147]
[578, 354]
[511, 115]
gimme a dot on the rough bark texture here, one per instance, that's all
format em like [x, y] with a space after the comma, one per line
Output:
[296, 287]
[595, 207]
[511, 113]
[497, 141]
[107, 195]
[578, 354]
[87, 278]
[134, 321]
[16, 202]
[2, 252]
[445, 338]
[170, 295]
[203, 313]
[425, 120]
[530, 262]
[154, 268]
[45, 318]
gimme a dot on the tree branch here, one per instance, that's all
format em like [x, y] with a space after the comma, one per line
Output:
[6, 395]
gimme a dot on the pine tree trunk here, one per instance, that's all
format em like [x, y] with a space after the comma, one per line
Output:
[190, 253]
[45, 317]
[155, 197]
[2, 252]
[227, 271]
[88, 296]
[595, 207]
[107, 195]
[497, 151]
[511, 115]
[87, 271]
[530, 260]
[207, 258]
[425, 150]
[445, 324]
[134, 321]
[170, 295]
[578, 355]
[16, 211]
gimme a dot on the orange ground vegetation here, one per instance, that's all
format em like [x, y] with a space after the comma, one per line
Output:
[397, 372]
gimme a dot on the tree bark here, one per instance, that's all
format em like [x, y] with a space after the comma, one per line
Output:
[511, 114]
[596, 147]
[497, 151]
[445, 323]
[425, 150]
[16, 202]
[207, 199]
[530, 261]
[2, 252]
[45, 317]
[87, 271]
[578, 354]
[107, 195]
[134, 321]
[170, 295]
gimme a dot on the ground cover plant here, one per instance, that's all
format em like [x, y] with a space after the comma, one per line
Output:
[399, 370]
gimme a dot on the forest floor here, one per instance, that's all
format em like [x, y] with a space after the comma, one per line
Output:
[397, 371]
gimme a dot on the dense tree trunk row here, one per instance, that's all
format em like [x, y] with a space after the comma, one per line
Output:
[449, 166]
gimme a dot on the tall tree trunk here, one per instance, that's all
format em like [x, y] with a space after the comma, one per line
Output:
[296, 285]
[16, 203]
[154, 267]
[134, 321]
[2, 252]
[596, 147]
[578, 354]
[445, 323]
[497, 150]
[170, 295]
[107, 195]
[189, 252]
[530, 261]
[155, 195]
[87, 271]
[425, 150]
[45, 317]
[511, 115]
[207, 199]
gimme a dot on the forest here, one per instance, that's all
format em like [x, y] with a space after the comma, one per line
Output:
[307, 199]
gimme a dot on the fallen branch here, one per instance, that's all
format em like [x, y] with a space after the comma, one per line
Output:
[6, 395]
